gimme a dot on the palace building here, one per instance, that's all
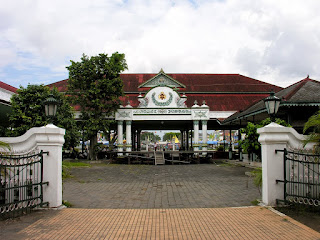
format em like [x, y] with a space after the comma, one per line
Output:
[185, 102]
[195, 102]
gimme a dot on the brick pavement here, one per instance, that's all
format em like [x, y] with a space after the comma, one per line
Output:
[158, 202]
[168, 186]
[183, 223]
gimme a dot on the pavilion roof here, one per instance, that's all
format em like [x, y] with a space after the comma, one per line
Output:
[303, 93]
[222, 92]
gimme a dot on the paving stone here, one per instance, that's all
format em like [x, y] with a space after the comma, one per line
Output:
[183, 223]
[179, 186]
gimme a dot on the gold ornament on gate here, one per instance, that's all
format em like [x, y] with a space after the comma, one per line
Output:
[162, 96]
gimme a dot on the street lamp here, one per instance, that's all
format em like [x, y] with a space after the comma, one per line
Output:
[272, 104]
[50, 106]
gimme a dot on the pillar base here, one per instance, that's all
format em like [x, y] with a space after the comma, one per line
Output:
[204, 149]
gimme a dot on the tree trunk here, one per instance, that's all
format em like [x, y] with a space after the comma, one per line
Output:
[93, 142]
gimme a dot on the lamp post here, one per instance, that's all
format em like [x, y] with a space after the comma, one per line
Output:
[50, 106]
[272, 104]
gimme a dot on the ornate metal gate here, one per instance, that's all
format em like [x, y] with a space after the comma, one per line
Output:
[301, 178]
[21, 183]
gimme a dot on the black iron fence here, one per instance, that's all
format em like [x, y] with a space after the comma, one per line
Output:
[301, 178]
[21, 183]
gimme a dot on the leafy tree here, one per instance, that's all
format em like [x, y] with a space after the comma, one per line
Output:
[151, 136]
[313, 124]
[95, 85]
[168, 136]
[28, 111]
[251, 144]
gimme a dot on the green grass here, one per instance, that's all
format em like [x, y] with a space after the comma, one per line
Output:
[257, 174]
[75, 164]
[66, 166]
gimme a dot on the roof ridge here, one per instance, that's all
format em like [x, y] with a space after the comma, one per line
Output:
[299, 84]
[263, 82]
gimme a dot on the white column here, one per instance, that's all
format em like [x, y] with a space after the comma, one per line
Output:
[128, 136]
[204, 137]
[120, 137]
[196, 135]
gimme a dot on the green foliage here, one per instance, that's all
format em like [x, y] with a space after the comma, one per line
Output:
[28, 111]
[268, 121]
[95, 85]
[251, 144]
[4, 146]
[66, 203]
[151, 136]
[255, 202]
[313, 124]
[220, 148]
[169, 136]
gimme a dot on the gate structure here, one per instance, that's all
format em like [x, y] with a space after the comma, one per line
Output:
[21, 183]
[301, 173]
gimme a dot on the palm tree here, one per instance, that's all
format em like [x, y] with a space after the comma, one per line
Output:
[313, 124]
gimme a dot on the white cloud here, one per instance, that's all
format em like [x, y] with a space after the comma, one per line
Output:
[271, 40]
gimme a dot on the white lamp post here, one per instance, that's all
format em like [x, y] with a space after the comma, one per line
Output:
[272, 104]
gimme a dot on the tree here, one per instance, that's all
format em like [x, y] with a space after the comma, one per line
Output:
[95, 85]
[28, 111]
[313, 124]
[251, 144]
[169, 136]
[151, 136]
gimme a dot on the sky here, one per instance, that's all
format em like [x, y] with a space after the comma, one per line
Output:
[275, 41]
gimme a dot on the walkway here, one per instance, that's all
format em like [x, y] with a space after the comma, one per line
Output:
[158, 202]
[195, 223]
[167, 186]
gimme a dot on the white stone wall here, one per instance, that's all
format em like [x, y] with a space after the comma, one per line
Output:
[276, 137]
[49, 138]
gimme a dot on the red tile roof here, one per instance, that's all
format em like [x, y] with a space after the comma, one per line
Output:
[8, 87]
[204, 82]
[222, 92]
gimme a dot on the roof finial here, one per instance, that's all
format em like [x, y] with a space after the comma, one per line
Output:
[161, 71]
[308, 76]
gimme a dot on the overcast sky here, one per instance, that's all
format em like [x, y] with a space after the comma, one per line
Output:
[276, 41]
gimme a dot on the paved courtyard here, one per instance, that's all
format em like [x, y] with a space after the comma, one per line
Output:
[158, 202]
[180, 223]
[168, 186]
